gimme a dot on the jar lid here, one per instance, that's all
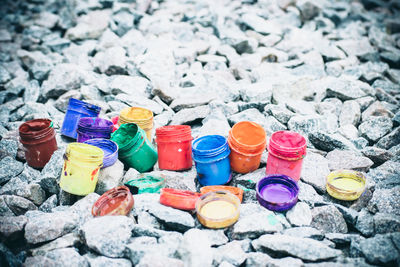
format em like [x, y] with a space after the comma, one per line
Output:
[231, 189]
[218, 209]
[277, 192]
[179, 199]
[116, 201]
[110, 149]
[146, 184]
[345, 184]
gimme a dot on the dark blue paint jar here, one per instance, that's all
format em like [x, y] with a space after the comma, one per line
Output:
[77, 109]
[211, 156]
[93, 127]
[110, 149]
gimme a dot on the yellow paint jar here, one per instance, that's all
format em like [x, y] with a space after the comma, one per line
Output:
[345, 184]
[142, 117]
[218, 209]
[82, 163]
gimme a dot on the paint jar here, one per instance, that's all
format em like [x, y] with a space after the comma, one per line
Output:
[39, 140]
[345, 184]
[277, 192]
[179, 199]
[211, 156]
[217, 209]
[77, 109]
[286, 151]
[93, 127]
[110, 149]
[116, 201]
[247, 141]
[135, 150]
[174, 147]
[231, 189]
[140, 116]
[82, 163]
[146, 184]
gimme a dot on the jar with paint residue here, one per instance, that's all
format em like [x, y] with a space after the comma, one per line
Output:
[77, 109]
[142, 117]
[93, 127]
[286, 151]
[110, 149]
[345, 184]
[218, 209]
[39, 140]
[247, 141]
[135, 150]
[174, 147]
[211, 156]
[80, 172]
[116, 201]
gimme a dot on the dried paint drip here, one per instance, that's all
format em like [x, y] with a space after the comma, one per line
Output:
[146, 184]
[217, 209]
[277, 192]
[345, 184]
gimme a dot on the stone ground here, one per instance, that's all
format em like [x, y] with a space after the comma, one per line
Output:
[329, 70]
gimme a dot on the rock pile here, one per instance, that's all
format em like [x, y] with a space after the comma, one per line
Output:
[329, 70]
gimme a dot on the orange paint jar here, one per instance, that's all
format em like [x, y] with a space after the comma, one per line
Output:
[231, 189]
[247, 141]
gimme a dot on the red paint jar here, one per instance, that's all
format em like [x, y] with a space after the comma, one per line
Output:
[174, 147]
[39, 140]
[179, 199]
[286, 151]
[116, 201]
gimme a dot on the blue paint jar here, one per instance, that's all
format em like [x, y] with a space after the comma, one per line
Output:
[110, 149]
[93, 127]
[77, 109]
[211, 156]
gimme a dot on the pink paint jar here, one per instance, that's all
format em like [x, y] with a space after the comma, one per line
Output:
[286, 151]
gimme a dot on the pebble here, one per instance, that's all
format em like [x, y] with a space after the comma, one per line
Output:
[344, 159]
[328, 219]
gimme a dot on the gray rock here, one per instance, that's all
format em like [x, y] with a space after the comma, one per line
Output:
[353, 47]
[350, 215]
[386, 223]
[350, 113]
[66, 257]
[12, 227]
[379, 250]
[32, 192]
[314, 171]
[303, 248]
[377, 155]
[349, 131]
[260, 25]
[48, 226]
[195, 249]
[256, 224]
[216, 237]
[308, 194]
[110, 177]
[62, 102]
[305, 124]
[390, 140]
[299, 215]
[280, 112]
[190, 115]
[231, 252]
[15, 204]
[49, 204]
[341, 239]
[348, 160]
[251, 114]
[386, 201]
[257, 259]
[83, 207]
[107, 235]
[183, 102]
[8, 147]
[68, 240]
[159, 261]
[375, 127]
[172, 218]
[183, 180]
[250, 180]
[308, 10]
[386, 175]
[32, 91]
[9, 168]
[365, 223]
[52, 172]
[328, 142]
[304, 232]
[328, 219]
[146, 218]
[111, 61]
[347, 89]
[215, 123]
[376, 109]
[101, 261]
[90, 26]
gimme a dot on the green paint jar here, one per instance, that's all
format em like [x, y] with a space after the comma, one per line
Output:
[135, 150]
[146, 184]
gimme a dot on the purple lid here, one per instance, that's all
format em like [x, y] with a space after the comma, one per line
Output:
[277, 192]
[110, 149]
